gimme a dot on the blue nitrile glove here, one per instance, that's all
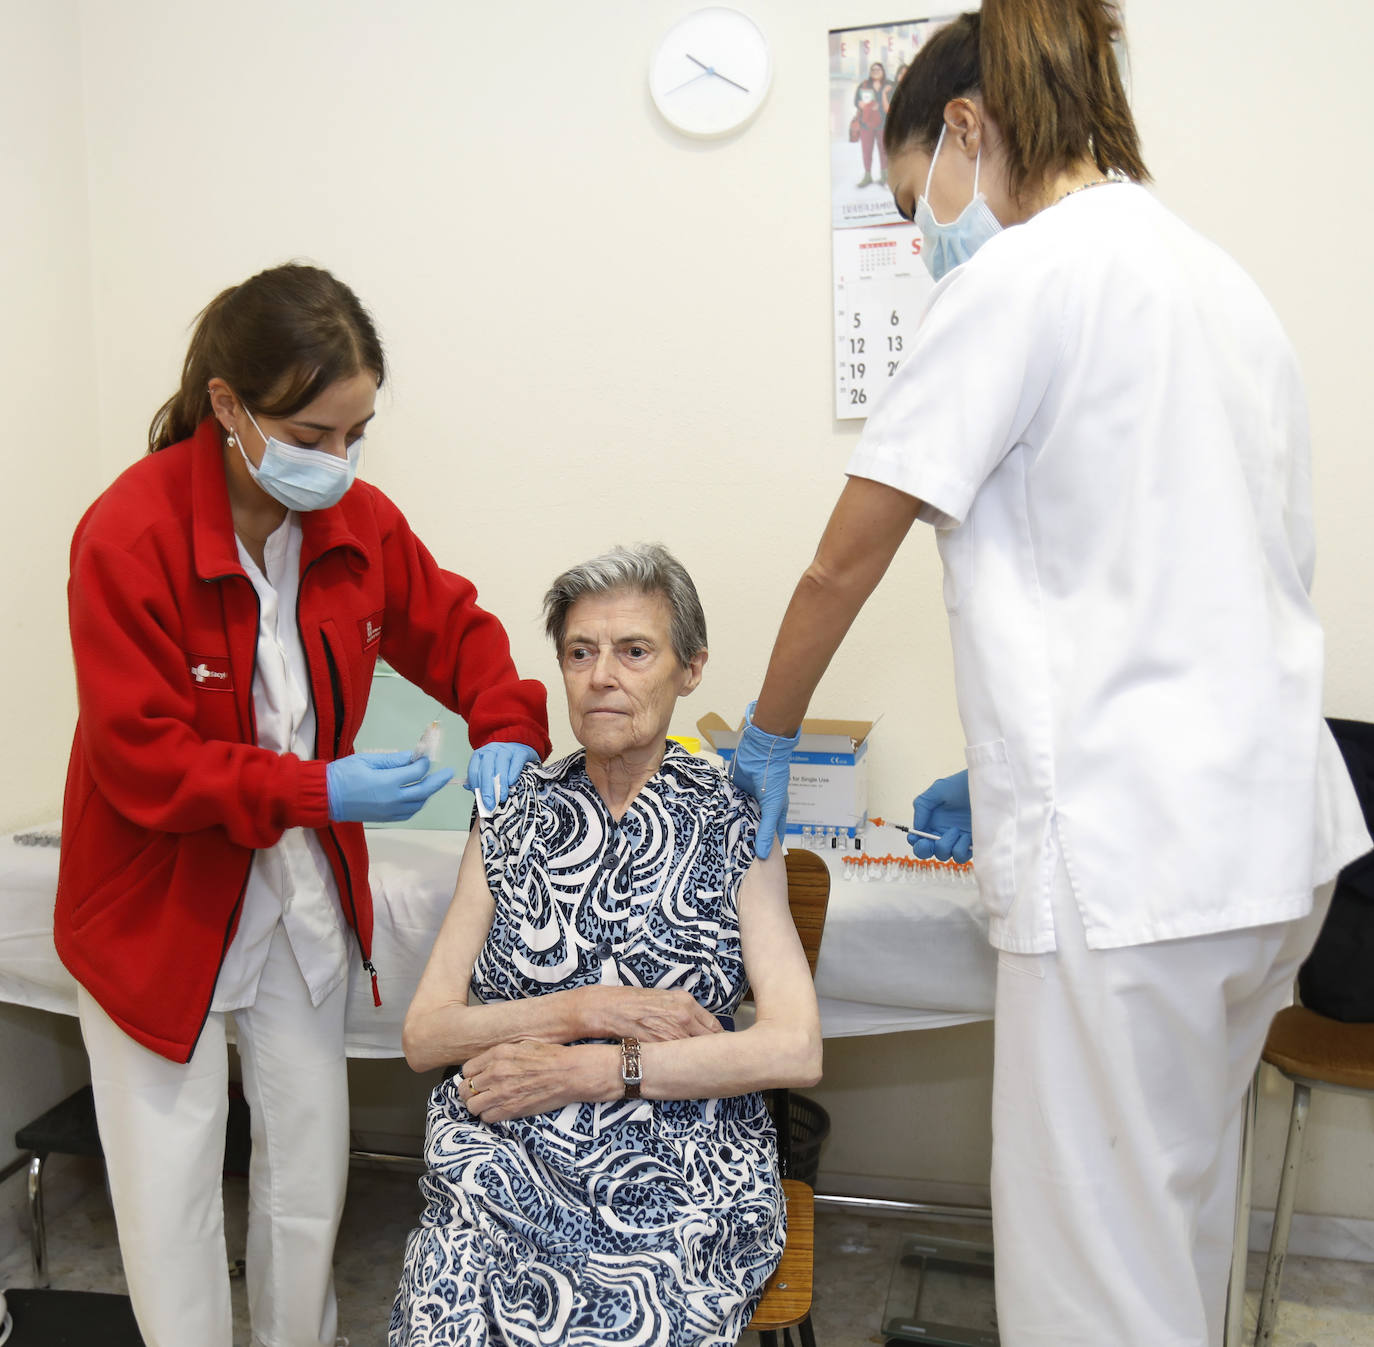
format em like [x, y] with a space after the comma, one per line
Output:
[944, 808]
[506, 760]
[380, 787]
[761, 766]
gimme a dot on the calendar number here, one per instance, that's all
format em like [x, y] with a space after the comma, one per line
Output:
[879, 293]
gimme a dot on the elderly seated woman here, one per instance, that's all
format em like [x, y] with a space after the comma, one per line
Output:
[603, 1169]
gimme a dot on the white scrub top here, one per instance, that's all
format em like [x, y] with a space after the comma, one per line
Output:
[1106, 426]
[290, 882]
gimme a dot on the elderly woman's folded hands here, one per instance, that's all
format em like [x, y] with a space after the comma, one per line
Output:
[650, 1014]
[528, 1077]
[531, 1075]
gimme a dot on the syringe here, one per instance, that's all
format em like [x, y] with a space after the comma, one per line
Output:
[915, 832]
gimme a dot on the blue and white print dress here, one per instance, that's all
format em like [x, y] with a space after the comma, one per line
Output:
[634, 1222]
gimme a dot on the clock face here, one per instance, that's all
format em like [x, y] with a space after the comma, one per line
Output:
[711, 72]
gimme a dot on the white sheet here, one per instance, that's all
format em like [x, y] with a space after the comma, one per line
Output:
[896, 955]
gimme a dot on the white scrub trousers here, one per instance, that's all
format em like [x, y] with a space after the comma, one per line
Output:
[1117, 1091]
[162, 1129]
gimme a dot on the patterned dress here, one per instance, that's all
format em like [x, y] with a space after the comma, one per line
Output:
[652, 1224]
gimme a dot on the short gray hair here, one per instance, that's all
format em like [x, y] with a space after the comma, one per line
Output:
[646, 568]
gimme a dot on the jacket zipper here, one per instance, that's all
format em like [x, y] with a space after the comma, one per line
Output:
[252, 738]
[336, 694]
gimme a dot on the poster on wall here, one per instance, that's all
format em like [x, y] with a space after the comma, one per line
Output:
[880, 283]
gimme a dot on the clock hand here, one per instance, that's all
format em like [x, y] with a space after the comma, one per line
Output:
[711, 70]
[728, 80]
[685, 83]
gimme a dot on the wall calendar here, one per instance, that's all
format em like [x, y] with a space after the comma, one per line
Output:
[880, 282]
[880, 287]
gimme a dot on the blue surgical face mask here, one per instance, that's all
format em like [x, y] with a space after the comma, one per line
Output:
[945, 246]
[302, 479]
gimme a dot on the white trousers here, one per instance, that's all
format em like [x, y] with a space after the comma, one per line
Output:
[1117, 1089]
[162, 1129]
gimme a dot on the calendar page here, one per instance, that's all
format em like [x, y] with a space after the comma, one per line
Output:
[880, 283]
[881, 286]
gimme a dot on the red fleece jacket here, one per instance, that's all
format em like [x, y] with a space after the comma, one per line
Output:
[167, 793]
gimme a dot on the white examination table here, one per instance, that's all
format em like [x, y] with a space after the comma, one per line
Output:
[896, 955]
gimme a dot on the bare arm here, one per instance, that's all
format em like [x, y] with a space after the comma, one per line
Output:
[782, 1047]
[866, 528]
[441, 1028]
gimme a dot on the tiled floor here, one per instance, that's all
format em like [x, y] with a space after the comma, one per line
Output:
[1326, 1303]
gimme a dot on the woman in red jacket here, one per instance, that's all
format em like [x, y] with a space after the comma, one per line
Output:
[229, 597]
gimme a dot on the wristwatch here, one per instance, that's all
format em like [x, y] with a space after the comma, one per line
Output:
[630, 1071]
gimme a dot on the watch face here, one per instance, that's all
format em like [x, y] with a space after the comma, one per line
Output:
[711, 72]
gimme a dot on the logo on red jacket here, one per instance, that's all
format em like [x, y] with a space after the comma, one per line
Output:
[370, 628]
[212, 673]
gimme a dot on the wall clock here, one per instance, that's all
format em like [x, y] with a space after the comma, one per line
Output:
[711, 72]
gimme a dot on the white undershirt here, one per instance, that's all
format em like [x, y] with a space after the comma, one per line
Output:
[290, 882]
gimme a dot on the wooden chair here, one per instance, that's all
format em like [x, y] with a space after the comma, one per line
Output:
[786, 1302]
[1314, 1052]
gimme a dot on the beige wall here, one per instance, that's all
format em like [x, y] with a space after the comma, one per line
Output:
[49, 456]
[47, 441]
[600, 331]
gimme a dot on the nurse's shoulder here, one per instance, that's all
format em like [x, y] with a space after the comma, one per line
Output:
[153, 494]
[1217, 310]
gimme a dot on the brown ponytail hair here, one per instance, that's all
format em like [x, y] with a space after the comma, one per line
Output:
[278, 340]
[1048, 77]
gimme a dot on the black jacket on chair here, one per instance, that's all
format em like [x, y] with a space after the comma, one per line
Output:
[1338, 978]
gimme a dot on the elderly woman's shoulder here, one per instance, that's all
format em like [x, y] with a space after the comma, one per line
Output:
[706, 776]
[538, 778]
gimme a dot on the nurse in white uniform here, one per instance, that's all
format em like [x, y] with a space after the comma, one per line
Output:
[1103, 422]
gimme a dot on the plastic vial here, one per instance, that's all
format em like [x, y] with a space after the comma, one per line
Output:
[428, 745]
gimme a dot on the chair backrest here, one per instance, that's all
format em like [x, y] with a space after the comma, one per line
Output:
[1335, 978]
[808, 896]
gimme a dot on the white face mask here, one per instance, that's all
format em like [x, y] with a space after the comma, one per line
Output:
[301, 479]
[946, 246]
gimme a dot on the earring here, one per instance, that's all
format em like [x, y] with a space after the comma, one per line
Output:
[233, 440]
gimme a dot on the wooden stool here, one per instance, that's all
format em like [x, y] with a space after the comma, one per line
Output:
[786, 1301]
[1314, 1052]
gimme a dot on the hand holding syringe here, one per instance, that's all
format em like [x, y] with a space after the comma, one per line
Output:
[944, 806]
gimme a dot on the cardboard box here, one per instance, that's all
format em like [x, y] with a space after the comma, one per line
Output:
[829, 771]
